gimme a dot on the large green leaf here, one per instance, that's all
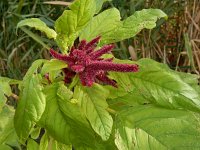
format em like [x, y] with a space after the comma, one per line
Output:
[30, 106]
[101, 24]
[149, 127]
[38, 25]
[94, 105]
[52, 119]
[71, 22]
[159, 85]
[129, 27]
[149, 64]
[70, 106]
[166, 89]
[63, 120]
[8, 135]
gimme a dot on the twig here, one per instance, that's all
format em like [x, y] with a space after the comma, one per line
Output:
[15, 96]
[112, 111]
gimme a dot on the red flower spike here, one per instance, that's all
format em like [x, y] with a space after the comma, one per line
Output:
[103, 50]
[60, 56]
[101, 76]
[93, 43]
[82, 44]
[110, 66]
[68, 75]
[89, 65]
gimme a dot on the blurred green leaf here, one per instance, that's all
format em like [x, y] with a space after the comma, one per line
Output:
[38, 25]
[52, 119]
[44, 142]
[150, 127]
[70, 106]
[30, 106]
[34, 68]
[159, 85]
[93, 103]
[4, 90]
[35, 133]
[64, 120]
[132, 25]
[53, 65]
[7, 132]
[5, 147]
[71, 22]
[101, 24]
[32, 145]
[5, 87]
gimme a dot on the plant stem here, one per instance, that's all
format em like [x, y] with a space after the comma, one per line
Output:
[15, 96]
[112, 111]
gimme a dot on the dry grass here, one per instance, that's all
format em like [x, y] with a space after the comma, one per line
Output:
[177, 41]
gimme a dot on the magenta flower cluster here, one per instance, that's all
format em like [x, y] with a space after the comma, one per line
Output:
[87, 62]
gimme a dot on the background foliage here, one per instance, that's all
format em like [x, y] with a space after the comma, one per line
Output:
[174, 42]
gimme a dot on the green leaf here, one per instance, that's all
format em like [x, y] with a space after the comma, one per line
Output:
[150, 127]
[150, 64]
[7, 133]
[30, 107]
[169, 91]
[5, 86]
[101, 24]
[94, 105]
[63, 120]
[52, 119]
[59, 146]
[53, 65]
[71, 22]
[70, 106]
[32, 145]
[99, 4]
[44, 142]
[5, 147]
[129, 27]
[38, 25]
[10, 81]
[165, 88]
[4, 90]
[33, 69]
[129, 99]
[35, 133]
[159, 85]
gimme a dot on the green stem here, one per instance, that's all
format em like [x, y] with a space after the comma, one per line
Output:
[74, 82]
[112, 111]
